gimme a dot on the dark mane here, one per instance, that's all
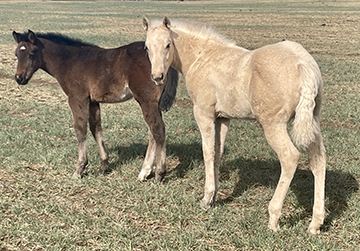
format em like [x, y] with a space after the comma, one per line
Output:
[59, 39]
[62, 39]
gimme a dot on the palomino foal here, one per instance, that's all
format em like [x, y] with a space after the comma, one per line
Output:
[273, 84]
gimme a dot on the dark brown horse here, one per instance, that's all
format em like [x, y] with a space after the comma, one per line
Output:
[90, 75]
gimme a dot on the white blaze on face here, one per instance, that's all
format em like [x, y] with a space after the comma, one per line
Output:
[22, 48]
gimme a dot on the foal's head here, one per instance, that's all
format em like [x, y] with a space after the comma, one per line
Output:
[160, 48]
[28, 53]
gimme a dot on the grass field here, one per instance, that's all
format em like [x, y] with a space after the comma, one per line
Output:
[41, 208]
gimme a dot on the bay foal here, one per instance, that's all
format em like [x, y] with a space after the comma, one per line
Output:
[90, 75]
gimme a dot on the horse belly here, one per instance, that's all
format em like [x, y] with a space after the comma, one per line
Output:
[111, 93]
[231, 105]
[113, 97]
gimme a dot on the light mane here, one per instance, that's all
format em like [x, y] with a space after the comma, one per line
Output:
[198, 30]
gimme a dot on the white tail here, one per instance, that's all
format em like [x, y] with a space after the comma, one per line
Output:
[306, 125]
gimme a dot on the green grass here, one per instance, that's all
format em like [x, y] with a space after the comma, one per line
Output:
[41, 208]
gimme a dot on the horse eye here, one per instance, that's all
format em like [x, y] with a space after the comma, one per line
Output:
[168, 46]
[146, 48]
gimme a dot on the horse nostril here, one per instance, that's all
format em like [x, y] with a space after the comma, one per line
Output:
[159, 78]
[20, 79]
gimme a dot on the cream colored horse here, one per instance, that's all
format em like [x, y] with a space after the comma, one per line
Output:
[273, 84]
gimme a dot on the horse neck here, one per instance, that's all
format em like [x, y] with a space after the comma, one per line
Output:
[52, 57]
[192, 50]
[56, 56]
[187, 52]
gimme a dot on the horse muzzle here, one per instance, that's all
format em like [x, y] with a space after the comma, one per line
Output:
[21, 79]
[158, 80]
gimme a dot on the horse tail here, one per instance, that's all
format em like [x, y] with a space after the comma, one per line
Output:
[306, 124]
[168, 95]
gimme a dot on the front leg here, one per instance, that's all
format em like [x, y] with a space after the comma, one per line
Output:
[206, 122]
[80, 114]
[157, 147]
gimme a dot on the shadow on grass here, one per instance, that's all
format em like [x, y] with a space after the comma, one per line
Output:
[187, 154]
[125, 154]
[339, 185]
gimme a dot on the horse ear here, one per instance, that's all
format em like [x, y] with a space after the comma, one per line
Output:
[166, 22]
[145, 23]
[32, 37]
[17, 36]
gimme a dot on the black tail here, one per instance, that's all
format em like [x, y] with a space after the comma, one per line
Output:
[168, 95]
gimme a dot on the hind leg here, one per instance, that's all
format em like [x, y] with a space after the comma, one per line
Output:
[80, 113]
[157, 147]
[221, 129]
[279, 140]
[96, 130]
[317, 159]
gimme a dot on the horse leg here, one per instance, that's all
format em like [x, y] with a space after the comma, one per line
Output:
[149, 158]
[279, 140]
[158, 133]
[96, 130]
[157, 146]
[221, 129]
[207, 128]
[80, 113]
[317, 159]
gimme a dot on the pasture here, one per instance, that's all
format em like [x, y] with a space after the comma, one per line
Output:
[42, 208]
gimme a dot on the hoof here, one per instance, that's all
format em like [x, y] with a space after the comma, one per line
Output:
[145, 172]
[274, 216]
[160, 176]
[103, 167]
[274, 228]
[313, 230]
[205, 205]
[76, 176]
[143, 175]
[315, 224]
